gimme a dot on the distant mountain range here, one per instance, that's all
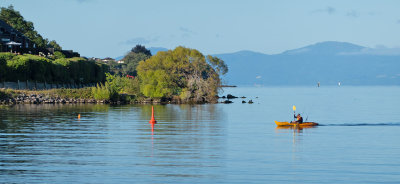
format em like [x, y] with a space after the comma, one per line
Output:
[326, 62]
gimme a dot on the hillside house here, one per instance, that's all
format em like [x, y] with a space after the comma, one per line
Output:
[12, 40]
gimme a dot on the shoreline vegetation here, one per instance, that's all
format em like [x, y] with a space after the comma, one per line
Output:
[84, 96]
[178, 76]
[182, 75]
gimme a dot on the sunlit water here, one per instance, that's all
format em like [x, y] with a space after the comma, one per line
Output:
[358, 142]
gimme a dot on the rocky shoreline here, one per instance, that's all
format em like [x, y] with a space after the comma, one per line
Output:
[41, 99]
[46, 99]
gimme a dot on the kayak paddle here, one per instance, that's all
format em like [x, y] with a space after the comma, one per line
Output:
[294, 112]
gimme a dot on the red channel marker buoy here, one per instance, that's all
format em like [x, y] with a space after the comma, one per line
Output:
[152, 120]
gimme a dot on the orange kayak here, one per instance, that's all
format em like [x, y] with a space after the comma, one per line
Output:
[304, 124]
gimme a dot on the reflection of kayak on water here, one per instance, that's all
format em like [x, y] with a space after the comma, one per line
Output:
[304, 124]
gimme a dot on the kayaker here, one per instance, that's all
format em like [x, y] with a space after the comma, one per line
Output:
[299, 118]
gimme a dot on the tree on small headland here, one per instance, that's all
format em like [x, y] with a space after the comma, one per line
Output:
[181, 73]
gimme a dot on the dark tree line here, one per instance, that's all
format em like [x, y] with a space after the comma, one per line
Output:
[58, 70]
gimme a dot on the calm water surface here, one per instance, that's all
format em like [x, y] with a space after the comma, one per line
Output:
[358, 141]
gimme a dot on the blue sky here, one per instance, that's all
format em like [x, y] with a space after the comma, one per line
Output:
[101, 28]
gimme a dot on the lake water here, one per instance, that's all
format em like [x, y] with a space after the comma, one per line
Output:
[358, 142]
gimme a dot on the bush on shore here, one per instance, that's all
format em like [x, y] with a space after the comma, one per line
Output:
[116, 87]
[184, 73]
[102, 92]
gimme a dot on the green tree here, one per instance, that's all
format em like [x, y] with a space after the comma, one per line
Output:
[141, 49]
[55, 45]
[132, 59]
[218, 64]
[115, 68]
[181, 72]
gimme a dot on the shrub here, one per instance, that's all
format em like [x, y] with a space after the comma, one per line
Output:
[114, 86]
[58, 54]
[101, 92]
[132, 87]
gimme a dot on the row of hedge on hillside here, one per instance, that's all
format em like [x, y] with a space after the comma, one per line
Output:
[58, 70]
